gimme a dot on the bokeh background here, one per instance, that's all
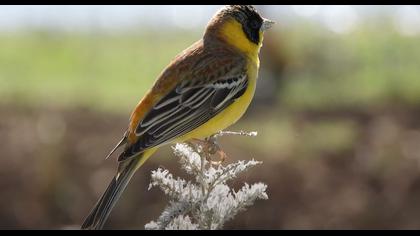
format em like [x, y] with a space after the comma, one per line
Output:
[337, 110]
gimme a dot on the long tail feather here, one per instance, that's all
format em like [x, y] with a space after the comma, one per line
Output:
[99, 214]
[120, 143]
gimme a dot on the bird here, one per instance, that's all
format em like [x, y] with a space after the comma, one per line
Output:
[204, 89]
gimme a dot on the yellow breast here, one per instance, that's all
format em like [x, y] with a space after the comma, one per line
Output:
[233, 34]
[230, 115]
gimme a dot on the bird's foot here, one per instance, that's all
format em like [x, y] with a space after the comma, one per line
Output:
[210, 147]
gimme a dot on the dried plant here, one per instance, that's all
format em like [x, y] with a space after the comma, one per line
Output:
[206, 202]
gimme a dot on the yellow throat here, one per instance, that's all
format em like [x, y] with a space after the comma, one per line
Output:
[233, 34]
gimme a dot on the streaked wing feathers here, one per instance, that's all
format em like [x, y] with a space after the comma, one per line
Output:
[185, 108]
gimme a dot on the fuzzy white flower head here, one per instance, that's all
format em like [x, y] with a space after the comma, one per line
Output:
[208, 202]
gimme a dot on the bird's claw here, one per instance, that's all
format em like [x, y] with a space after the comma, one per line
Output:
[210, 147]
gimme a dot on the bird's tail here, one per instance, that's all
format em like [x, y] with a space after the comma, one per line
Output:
[99, 214]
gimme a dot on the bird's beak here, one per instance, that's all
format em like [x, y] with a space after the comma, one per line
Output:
[267, 24]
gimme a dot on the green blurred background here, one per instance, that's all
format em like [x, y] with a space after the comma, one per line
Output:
[337, 110]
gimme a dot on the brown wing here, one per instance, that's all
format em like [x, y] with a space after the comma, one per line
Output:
[213, 84]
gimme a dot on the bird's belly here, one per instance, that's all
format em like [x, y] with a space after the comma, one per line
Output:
[225, 118]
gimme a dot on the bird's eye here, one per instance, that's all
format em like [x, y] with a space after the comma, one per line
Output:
[254, 24]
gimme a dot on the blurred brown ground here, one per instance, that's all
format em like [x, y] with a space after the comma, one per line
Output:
[53, 171]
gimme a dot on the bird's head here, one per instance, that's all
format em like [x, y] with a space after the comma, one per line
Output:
[240, 25]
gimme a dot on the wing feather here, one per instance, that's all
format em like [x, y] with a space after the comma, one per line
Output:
[190, 104]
